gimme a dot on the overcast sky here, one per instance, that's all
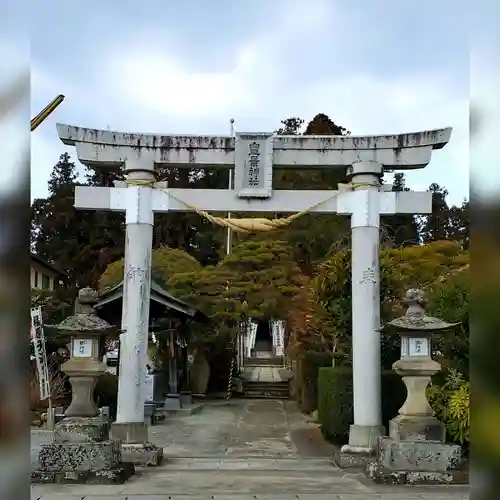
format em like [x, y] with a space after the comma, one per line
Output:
[188, 67]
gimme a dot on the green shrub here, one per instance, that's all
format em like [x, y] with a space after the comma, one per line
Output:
[450, 401]
[449, 300]
[166, 262]
[335, 401]
[311, 362]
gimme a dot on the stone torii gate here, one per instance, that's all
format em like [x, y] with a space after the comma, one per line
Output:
[253, 156]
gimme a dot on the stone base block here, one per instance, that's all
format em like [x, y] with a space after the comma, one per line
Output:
[409, 428]
[184, 411]
[186, 398]
[418, 456]
[173, 402]
[418, 462]
[352, 459]
[81, 430]
[129, 432]
[380, 475]
[145, 454]
[115, 475]
[80, 457]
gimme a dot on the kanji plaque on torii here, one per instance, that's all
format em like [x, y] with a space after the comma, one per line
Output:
[253, 167]
[254, 155]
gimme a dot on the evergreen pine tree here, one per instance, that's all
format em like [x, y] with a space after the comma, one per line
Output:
[400, 229]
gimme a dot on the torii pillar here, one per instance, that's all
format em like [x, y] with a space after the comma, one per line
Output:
[254, 155]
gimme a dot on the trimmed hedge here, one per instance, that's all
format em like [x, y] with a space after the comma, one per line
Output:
[310, 364]
[335, 401]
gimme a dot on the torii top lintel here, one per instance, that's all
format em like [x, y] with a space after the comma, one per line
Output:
[105, 148]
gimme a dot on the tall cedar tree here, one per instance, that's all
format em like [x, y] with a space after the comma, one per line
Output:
[400, 229]
[79, 242]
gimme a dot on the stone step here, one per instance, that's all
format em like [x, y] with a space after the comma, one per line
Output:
[256, 389]
[260, 395]
[257, 384]
[273, 361]
[251, 464]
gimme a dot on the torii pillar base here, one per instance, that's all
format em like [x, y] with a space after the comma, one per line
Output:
[357, 455]
[136, 448]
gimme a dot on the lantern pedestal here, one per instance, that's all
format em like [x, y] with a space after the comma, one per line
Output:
[415, 451]
[416, 428]
[417, 462]
[416, 421]
[82, 453]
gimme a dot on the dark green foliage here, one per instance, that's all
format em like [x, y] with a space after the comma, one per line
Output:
[335, 411]
[335, 401]
[165, 263]
[189, 231]
[459, 224]
[449, 397]
[54, 304]
[445, 222]
[83, 243]
[435, 226]
[311, 237]
[401, 229]
[402, 268]
[79, 242]
[449, 299]
[265, 276]
[311, 362]
[55, 308]
[321, 124]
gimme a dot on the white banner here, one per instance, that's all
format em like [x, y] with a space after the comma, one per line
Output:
[251, 336]
[278, 331]
[38, 340]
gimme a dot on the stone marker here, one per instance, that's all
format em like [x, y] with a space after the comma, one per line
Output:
[415, 451]
[82, 451]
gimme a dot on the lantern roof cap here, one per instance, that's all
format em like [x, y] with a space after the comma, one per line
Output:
[85, 319]
[415, 318]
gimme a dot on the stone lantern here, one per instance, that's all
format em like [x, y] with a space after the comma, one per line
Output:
[415, 451]
[82, 451]
[87, 333]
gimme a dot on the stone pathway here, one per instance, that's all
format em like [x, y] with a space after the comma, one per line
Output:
[249, 449]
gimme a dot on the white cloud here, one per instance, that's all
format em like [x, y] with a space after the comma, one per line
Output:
[162, 84]
[142, 86]
[368, 105]
[150, 76]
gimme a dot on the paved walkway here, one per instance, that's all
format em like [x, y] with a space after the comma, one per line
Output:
[250, 449]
